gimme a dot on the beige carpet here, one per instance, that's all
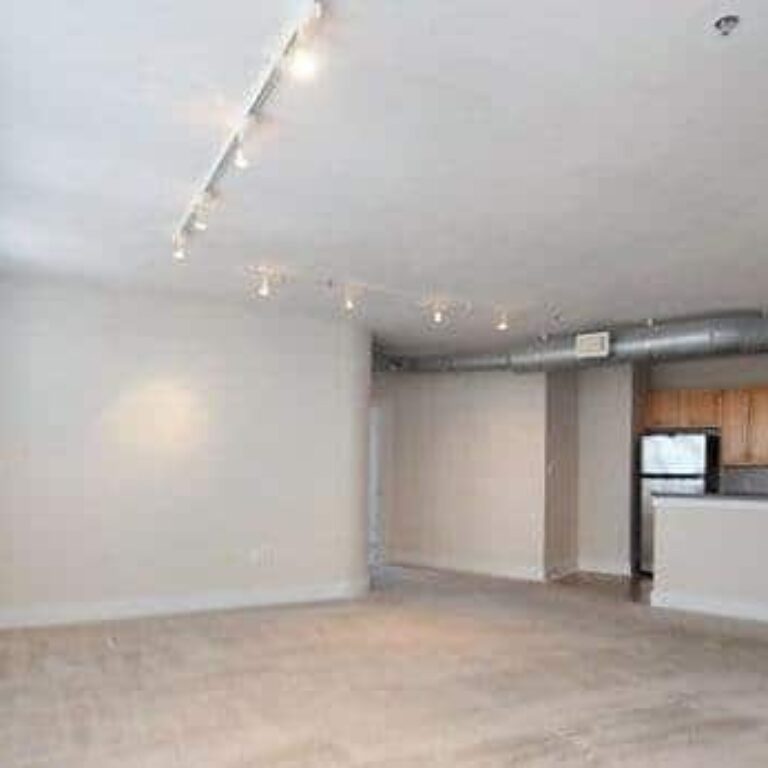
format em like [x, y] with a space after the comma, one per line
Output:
[429, 671]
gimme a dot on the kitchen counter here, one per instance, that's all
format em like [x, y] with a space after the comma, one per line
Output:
[711, 554]
[724, 499]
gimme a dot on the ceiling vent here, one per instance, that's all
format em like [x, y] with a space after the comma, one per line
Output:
[592, 346]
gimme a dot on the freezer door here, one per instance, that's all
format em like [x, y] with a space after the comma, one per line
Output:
[694, 487]
[676, 454]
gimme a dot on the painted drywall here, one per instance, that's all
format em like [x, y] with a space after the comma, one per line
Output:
[163, 454]
[738, 371]
[607, 398]
[710, 556]
[463, 471]
[562, 445]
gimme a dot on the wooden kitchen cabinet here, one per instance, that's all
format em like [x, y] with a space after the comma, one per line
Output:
[662, 409]
[683, 408]
[735, 433]
[701, 408]
[758, 426]
[741, 415]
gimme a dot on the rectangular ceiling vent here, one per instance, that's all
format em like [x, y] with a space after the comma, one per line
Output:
[593, 346]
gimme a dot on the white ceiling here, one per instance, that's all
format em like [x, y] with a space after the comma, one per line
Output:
[602, 160]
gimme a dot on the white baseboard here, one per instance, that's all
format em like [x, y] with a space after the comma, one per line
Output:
[79, 613]
[610, 569]
[463, 565]
[714, 606]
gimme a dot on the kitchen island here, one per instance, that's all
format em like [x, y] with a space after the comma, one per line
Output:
[712, 555]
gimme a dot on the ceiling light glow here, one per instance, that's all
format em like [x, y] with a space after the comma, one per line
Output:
[179, 251]
[268, 279]
[264, 289]
[302, 64]
[351, 298]
[240, 160]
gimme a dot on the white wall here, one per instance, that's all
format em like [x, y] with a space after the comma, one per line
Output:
[717, 372]
[463, 475]
[710, 556]
[606, 401]
[164, 454]
[561, 529]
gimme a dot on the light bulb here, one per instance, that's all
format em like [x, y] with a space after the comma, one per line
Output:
[265, 289]
[303, 65]
[178, 248]
[241, 161]
[502, 323]
[349, 304]
[438, 316]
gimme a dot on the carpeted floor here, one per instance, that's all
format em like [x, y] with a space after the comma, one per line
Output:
[431, 670]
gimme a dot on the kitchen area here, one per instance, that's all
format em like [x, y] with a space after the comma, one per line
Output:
[700, 518]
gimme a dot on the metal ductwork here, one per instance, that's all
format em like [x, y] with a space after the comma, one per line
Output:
[672, 340]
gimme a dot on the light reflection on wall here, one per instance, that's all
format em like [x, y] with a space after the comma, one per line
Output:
[161, 417]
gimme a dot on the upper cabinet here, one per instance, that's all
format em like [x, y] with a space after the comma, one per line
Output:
[758, 426]
[734, 442]
[701, 407]
[741, 415]
[662, 408]
[683, 408]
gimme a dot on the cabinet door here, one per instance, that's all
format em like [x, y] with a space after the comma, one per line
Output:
[700, 408]
[662, 408]
[735, 438]
[758, 426]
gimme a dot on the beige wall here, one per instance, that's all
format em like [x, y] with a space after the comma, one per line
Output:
[464, 475]
[561, 529]
[606, 402]
[163, 454]
[740, 371]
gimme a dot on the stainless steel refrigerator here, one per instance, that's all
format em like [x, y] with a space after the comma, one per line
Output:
[679, 463]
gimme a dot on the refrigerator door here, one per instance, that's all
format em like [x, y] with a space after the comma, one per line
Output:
[684, 487]
[676, 454]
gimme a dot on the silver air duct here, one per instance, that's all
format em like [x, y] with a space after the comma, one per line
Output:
[672, 340]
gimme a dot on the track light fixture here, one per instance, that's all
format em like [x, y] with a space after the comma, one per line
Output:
[441, 311]
[264, 289]
[179, 249]
[241, 161]
[502, 320]
[267, 280]
[437, 311]
[351, 298]
[292, 52]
